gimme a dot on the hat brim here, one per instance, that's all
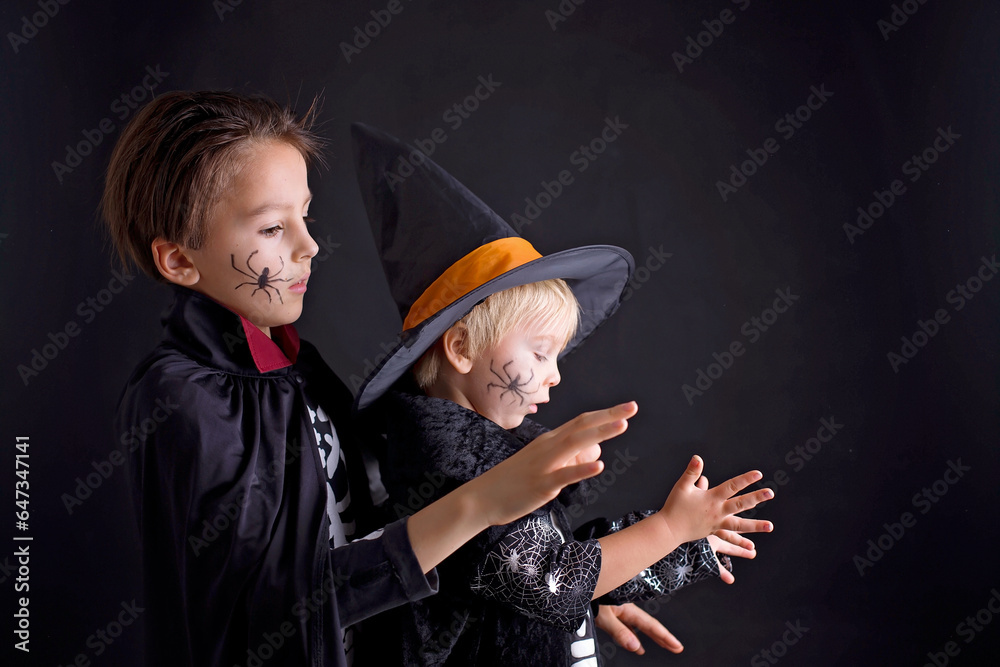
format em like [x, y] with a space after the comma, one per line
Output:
[597, 275]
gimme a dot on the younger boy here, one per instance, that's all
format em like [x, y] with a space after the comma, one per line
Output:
[249, 492]
[485, 321]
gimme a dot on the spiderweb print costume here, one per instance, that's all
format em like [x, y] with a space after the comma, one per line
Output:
[530, 572]
[518, 594]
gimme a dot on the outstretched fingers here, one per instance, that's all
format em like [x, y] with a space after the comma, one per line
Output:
[740, 482]
[737, 524]
[692, 474]
[587, 430]
[573, 474]
[732, 544]
[747, 501]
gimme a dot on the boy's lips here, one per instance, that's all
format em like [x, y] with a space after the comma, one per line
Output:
[533, 408]
[299, 287]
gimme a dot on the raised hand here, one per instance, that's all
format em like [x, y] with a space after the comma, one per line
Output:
[563, 456]
[692, 512]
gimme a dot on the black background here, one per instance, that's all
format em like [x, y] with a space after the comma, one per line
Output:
[654, 187]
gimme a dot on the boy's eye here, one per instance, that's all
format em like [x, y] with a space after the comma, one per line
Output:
[540, 357]
[308, 218]
[271, 231]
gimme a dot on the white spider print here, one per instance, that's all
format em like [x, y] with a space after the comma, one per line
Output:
[682, 574]
[513, 559]
[552, 581]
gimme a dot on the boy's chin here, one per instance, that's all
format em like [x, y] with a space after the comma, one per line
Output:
[287, 315]
[513, 423]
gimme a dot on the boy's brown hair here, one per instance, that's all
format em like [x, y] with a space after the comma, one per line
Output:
[178, 155]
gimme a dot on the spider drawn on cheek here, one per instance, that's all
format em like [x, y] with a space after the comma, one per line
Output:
[511, 385]
[261, 280]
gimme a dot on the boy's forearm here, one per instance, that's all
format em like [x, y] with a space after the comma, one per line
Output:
[631, 550]
[439, 529]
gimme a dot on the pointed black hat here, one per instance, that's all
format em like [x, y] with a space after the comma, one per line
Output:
[443, 251]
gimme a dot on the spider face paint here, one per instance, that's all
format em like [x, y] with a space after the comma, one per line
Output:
[511, 379]
[257, 254]
[511, 385]
[264, 280]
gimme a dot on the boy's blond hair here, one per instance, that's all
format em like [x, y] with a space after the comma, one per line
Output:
[549, 305]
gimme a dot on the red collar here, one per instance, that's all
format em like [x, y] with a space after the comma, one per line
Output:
[278, 351]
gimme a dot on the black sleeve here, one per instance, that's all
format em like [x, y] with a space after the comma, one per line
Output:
[687, 564]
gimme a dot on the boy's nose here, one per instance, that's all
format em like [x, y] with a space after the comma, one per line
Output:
[553, 377]
[306, 245]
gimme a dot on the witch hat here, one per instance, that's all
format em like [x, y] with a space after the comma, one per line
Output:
[443, 251]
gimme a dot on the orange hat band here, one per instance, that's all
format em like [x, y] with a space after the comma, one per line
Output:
[477, 268]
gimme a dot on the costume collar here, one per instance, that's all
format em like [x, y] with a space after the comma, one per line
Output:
[213, 334]
[459, 442]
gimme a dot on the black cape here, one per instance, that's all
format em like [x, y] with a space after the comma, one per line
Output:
[230, 498]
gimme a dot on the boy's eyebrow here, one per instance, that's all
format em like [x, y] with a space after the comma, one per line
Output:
[549, 339]
[276, 206]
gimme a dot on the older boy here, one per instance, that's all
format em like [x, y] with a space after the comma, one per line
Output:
[485, 320]
[244, 494]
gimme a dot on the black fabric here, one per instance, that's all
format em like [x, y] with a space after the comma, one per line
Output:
[422, 221]
[434, 445]
[230, 498]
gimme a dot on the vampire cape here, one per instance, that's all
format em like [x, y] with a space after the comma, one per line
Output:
[230, 497]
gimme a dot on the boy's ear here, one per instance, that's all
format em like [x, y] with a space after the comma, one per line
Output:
[174, 263]
[455, 343]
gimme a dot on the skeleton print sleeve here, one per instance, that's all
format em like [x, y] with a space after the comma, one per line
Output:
[689, 563]
[534, 570]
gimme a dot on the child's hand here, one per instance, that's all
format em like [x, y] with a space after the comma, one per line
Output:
[537, 473]
[721, 546]
[693, 511]
[521, 484]
[622, 620]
